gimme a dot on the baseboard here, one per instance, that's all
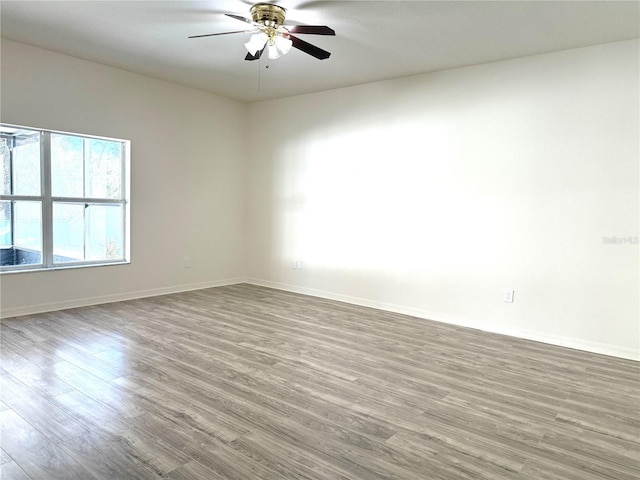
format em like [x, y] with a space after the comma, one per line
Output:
[118, 297]
[578, 344]
[575, 343]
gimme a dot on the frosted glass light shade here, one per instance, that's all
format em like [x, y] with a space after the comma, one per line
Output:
[278, 46]
[283, 44]
[273, 52]
[256, 42]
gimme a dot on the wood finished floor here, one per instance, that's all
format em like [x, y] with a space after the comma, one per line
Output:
[243, 382]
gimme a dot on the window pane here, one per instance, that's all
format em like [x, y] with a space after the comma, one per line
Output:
[5, 185]
[104, 234]
[85, 167]
[68, 232]
[103, 169]
[87, 232]
[5, 225]
[26, 164]
[27, 232]
[67, 166]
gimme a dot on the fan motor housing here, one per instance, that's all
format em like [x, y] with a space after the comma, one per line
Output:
[268, 14]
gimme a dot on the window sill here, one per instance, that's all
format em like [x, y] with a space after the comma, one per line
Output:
[63, 267]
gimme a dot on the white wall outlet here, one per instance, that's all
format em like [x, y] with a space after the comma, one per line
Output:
[297, 264]
[508, 295]
[187, 262]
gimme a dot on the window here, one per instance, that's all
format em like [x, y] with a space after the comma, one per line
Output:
[63, 199]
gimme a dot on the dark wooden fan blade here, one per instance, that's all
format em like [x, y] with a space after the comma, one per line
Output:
[238, 17]
[223, 33]
[312, 29]
[312, 50]
[256, 56]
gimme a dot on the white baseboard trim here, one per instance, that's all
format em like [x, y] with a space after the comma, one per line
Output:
[575, 343]
[117, 297]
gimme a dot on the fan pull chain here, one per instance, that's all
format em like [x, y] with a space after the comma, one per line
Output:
[259, 74]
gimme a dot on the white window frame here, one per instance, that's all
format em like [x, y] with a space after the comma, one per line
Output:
[47, 200]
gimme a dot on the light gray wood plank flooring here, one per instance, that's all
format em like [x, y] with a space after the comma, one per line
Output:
[244, 382]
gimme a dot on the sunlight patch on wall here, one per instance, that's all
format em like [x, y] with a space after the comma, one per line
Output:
[395, 204]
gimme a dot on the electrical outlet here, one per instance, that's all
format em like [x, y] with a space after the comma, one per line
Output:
[297, 264]
[508, 295]
[187, 262]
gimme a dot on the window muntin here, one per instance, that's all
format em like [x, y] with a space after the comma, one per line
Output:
[63, 199]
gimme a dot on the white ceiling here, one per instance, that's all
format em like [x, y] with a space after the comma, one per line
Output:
[375, 40]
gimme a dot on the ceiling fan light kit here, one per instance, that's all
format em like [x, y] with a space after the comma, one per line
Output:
[271, 34]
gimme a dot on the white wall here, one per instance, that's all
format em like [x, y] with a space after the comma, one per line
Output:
[431, 194]
[187, 176]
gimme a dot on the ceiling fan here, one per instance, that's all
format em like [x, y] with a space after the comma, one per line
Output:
[270, 34]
